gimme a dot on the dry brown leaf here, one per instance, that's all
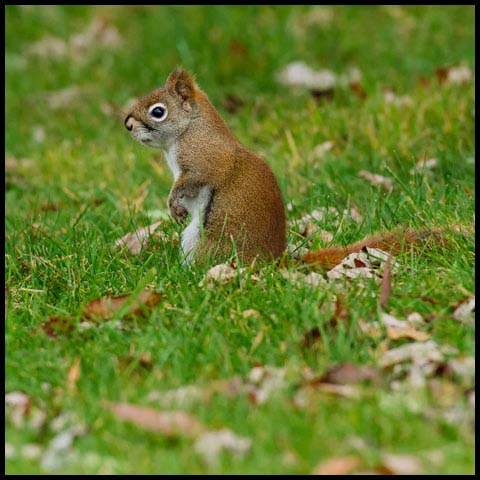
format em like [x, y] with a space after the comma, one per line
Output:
[251, 313]
[397, 329]
[386, 285]
[107, 307]
[73, 376]
[135, 241]
[170, 424]
[348, 373]
[347, 391]
[57, 326]
[221, 273]
[338, 466]
[358, 90]
[418, 352]
[408, 332]
[364, 264]
[376, 179]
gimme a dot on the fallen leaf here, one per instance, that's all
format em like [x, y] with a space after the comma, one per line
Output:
[462, 369]
[299, 74]
[107, 307]
[338, 466]
[347, 391]
[386, 285]
[414, 318]
[31, 451]
[210, 444]
[376, 179]
[135, 241]
[221, 273]
[263, 382]
[424, 166]
[50, 206]
[364, 264]
[180, 397]
[58, 451]
[73, 376]
[313, 279]
[358, 91]
[465, 313]
[401, 329]
[17, 406]
[355, 214]
[395, 464]
[454, 75]
[348, 373]
[48, 46]
[419, 352]
[251, 313]
[57, 326]
[170, 424]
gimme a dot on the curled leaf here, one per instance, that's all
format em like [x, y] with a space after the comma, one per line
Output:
[107, 307]
[135, 241]
[170, 424]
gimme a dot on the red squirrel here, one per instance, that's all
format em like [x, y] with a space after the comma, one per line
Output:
[230, 193]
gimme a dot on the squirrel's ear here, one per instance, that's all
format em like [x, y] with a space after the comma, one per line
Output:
[181, 83]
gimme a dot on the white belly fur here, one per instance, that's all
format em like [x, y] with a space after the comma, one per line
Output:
[171, 157]
[196, 208]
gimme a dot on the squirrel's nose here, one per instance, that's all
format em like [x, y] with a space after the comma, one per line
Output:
[129, 123]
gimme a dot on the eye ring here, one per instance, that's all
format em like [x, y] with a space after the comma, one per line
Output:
[158, 115]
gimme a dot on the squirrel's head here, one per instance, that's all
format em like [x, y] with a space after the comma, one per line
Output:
[162, 115]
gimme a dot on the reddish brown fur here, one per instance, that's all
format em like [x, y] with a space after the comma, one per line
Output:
[394, 242]
[247, 207]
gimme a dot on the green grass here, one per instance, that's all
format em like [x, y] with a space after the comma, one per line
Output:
[57, 261]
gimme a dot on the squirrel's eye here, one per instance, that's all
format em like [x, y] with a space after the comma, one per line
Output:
[158, 112]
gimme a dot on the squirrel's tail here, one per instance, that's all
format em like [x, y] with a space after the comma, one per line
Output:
[394, 242]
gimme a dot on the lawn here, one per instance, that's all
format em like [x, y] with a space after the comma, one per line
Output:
[76, 182]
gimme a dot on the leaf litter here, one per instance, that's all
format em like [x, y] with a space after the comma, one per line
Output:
[208, 443]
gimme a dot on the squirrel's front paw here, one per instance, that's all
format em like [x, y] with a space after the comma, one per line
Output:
[179, 212]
